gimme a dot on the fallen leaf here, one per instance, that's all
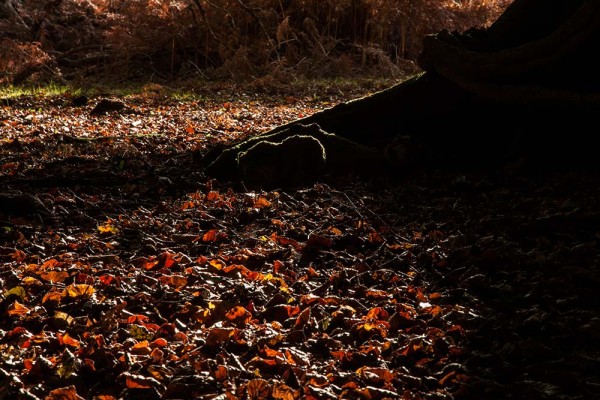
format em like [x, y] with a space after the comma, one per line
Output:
[64, 393]
[78, 290]
[17, 308]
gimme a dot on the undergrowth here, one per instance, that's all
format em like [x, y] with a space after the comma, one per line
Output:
[241, 40]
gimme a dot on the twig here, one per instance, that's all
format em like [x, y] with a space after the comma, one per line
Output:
[250, 11]
[210, 30]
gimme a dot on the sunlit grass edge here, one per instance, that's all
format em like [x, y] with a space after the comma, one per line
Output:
[48, 89]
[193, 90]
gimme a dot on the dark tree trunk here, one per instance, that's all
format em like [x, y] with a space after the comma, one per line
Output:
[528, 86]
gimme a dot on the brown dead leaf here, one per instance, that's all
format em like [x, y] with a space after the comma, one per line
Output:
[64, 393]
[55, 276]
[258, 389]
[76, 291]
[319, 241]
[134, 381]
[281, 391]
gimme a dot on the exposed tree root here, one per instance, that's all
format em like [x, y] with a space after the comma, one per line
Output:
[488, 96]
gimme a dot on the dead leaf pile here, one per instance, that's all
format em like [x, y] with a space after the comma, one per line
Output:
[145, 280]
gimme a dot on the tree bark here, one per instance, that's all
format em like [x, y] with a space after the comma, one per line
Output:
[528, 86]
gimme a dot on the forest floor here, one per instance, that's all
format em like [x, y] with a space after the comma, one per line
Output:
[126, 273]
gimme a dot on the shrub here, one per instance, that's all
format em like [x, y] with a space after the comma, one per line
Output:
[228, 39]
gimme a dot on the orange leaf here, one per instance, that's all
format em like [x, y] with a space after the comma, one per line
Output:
[55, 276]
[66, 339]
[210, 236]
[218, 264]
[375, 374]
[456, 328]
[139, 381]
[141, 348]
[290, 357]
[188, 204]
[277, 222]
[52, 263]
[169, 259]
[213, 196]
[285, 241]
[236, 267]
[221, 373]
[281, 391]
[303, 318]
[107, 229]
[448, 377]
[277, 266]
[262, 202]
[160, 342]
[108, 279]
[335, 231]
[29, 280]
[341, 355]
[435, 296]
[17, 308]
[157, 354]
[181, 337]
[64, 393]
[176, 281]
[18, 255]
[258, 389]
[377, 313]
[150, 264]
[377, 294]
[74, 290]
[434, 310]
[52, 297]
[143, 343]
[271, 352]
[137, 318]
[28, 364]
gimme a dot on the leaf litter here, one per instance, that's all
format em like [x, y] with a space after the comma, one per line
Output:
[126, 273]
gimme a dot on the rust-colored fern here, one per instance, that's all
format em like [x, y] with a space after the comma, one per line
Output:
[240, 39]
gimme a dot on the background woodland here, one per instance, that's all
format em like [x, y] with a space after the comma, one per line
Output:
[243, 40]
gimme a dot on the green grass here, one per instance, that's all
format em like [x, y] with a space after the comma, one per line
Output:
[49, 89]
[191, 90]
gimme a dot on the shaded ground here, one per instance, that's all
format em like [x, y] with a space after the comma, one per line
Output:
[126, 273]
